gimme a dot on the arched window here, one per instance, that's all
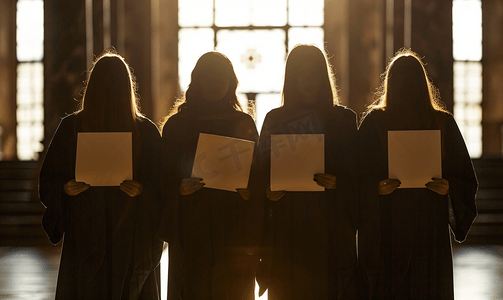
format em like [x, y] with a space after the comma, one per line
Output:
[467, 52]
[30, 78]
[256, 35]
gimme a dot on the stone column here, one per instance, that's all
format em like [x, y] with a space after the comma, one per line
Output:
[165, 87]
[354, 35]
[8, 63]
[64, 60]
[492, 74]
[432, 39]
[138, 48]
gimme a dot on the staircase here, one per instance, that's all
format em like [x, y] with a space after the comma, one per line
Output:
[20, 210]
[488, 226]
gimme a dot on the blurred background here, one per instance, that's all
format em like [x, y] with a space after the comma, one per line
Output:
[47, 45]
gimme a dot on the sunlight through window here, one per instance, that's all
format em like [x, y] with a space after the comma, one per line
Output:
[30, 82]
[467, 52]
[256, 35]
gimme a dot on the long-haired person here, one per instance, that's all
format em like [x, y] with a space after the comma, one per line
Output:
[213, 260]
[308, 248]
[404, 238]
[109, 248]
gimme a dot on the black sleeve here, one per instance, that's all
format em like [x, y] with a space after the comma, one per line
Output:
[458, 170]
[170, 179]
[56, 171]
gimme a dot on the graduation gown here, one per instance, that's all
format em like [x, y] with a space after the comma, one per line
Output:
[404, 238]
[308, 247]
[213, 261]
[109, 248]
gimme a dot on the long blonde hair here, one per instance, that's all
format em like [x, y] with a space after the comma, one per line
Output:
[110, 100]
[405, 84]
[310, 56]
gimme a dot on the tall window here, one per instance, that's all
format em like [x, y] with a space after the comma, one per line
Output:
[256, 35]
[30, 78]
[467, 51]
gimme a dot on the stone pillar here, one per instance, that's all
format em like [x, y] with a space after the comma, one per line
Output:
[138, 48]
[336, 29]
[64, 60]
[432, 39]
[492, 74]
[354, 35]
[8, 63]
[165, 87]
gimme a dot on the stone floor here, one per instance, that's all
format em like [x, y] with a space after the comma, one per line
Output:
[31, 273]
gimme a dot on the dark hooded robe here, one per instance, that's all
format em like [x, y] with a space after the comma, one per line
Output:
[308, 246]
[109, 249]
[212, 260]
[404, 238]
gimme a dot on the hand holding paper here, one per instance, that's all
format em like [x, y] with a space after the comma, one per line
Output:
[274, 195]
[74, 188]
[244, 193]
[190, 185]
[223, 162]
[131, 187]
[388, 186]
[325, 180]
[294, 160]
[414, 157]
[439, 186]
[104, 158]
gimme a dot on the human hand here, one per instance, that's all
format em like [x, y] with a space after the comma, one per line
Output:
[439, 186]
[325, 180]
[244, 193]
[190, 185]
[131, 187]
[274, 195]
[387, 186]
[74, 188]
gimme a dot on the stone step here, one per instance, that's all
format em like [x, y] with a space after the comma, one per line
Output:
[18, 196]
[17, 185]
[21, 208]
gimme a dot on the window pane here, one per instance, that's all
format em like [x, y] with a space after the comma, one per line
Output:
[192, 43]
[250, 12]
[305, 36]
[467, 29]
[258, 57]
[467, 103]
[268, 13]
[30, 110]
[30, 30]
[233, 12]
[263, 104]
[195, 13]
[305, 13]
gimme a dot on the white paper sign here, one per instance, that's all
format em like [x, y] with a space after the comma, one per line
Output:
[414, 157]
[222, 162]
[295, 158]
[104, 158]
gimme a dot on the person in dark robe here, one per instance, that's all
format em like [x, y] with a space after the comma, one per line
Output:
[212, 259]
[404, 239]
[109, 249]
[308, 246]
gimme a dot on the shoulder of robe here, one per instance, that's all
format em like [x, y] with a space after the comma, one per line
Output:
[345, 113]
[173, 121]
[67, 123]
[377, 115]
[244, 116]
[69, 119]
[147, 124]
[272, 116]
[245, 126]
